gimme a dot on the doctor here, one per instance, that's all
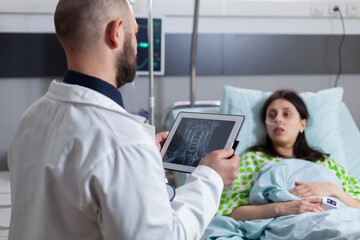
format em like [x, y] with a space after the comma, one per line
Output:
[81, 166]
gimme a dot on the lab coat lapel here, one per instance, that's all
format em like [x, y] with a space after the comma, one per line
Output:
[78, 94]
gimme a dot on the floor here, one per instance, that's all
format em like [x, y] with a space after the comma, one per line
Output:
[5, 204]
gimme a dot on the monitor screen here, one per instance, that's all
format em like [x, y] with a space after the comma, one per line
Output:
[143, 46]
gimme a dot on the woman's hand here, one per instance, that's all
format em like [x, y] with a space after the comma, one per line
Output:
[299, 206]
[160, 139]
[312, 189]
[324, 189]
[270, 210]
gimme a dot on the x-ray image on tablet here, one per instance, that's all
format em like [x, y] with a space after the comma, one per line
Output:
[195, 135]
[196, 138]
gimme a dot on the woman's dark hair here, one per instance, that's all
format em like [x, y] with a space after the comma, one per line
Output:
[301, 148]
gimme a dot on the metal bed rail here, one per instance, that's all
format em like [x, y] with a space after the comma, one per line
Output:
[187, 104]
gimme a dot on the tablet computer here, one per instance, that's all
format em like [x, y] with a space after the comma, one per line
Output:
[194, 135]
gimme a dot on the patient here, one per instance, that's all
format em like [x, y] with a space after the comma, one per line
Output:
[285, 116]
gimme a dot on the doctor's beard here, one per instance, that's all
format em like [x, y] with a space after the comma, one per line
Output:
[126, 64]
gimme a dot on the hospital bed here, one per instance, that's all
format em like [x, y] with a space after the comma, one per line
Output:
[330, 129]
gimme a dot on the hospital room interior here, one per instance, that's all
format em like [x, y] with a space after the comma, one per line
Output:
[209, 56]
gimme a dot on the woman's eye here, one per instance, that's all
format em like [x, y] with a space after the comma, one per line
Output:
[287, 114]
[271, 115]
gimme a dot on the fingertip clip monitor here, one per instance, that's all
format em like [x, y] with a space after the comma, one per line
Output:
[329, 203]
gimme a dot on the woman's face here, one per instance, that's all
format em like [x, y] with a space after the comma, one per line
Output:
[283, 122]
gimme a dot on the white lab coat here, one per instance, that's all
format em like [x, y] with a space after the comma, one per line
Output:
[83, 168]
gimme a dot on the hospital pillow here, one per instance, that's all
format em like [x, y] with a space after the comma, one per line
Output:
[322, 130]
[350, 135]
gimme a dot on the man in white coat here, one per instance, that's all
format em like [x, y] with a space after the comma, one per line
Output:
[81, 166]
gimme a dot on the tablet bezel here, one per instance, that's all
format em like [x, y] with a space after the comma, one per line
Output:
[238, 119]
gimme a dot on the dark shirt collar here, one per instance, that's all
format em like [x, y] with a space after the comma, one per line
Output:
[72, 77]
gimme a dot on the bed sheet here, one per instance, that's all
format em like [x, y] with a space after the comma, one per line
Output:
[272, 185]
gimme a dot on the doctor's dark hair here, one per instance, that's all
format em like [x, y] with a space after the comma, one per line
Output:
[77, 21]
[301, 148]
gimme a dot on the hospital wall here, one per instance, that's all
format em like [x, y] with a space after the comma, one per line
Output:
[218, 19]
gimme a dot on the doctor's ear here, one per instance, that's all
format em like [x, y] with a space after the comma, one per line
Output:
[114, 33]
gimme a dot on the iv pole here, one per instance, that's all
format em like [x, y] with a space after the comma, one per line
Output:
[151, 60]
[192, 103]
[193, 54]
[151, 66]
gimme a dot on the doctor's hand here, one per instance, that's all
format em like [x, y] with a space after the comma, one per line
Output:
[160, 139]
[312, 189]
[225, 163]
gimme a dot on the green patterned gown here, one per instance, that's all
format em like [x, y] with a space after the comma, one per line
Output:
[250, 164]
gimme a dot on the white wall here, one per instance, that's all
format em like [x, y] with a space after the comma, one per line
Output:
[237, 8]
[16, 95]
[27, 6]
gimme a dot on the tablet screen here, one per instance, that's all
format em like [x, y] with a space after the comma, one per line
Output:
[196, 138]
[195, 135]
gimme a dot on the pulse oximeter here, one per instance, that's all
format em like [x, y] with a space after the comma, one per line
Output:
[329, 203]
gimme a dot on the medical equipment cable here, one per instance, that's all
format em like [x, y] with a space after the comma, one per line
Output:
[151, 65]
[277, 123]
[337, 9]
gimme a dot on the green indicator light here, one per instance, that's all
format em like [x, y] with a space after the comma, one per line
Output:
[143, 44]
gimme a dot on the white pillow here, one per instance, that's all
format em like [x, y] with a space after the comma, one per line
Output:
[321, 131]
[350, 135]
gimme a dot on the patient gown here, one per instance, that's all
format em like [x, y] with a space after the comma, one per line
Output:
[250, 165]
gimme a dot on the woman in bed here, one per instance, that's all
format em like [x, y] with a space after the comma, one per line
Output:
[285, 116]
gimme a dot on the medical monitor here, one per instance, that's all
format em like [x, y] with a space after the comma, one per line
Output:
[143, 46]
